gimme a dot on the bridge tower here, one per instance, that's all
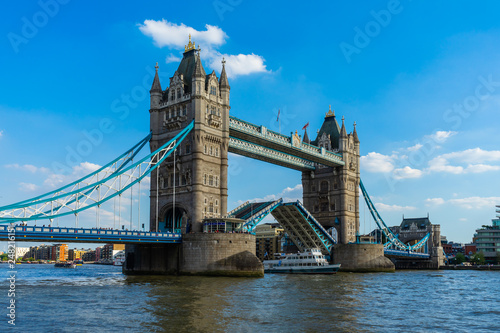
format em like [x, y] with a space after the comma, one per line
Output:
[200, 174]
[332, 193]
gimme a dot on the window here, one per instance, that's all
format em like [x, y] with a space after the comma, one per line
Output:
[210, 180]
[185, 110]
[170, 113]
[205, 179]
[178, 92]
[172, 95]
[211, 208]
[213, 91]
[211, 151]
[216, 202]
[324, 186]
[217, 152]
[188, 149]
[217, 181]
[206, 150]
[206, 201]
[324, 206]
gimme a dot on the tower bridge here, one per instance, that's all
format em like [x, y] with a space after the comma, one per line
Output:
[191, 135]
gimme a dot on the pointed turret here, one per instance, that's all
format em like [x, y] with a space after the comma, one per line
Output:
[155, 92]
[306, 137]
[199, 71]
[223, 83]
[156, 87]
[355, 134]
[343, 133]
[330, 128]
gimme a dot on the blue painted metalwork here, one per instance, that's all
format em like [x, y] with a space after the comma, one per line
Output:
[80, 235]
[393, 239]
[401, 253]
[260, 214]
[304, 230]
[50, 205]
[261, 136]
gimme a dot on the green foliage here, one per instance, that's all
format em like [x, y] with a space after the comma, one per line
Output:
[4, 257]
[478, 258]
[459, 258]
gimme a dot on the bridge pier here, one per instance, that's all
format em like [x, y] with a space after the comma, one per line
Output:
[362, 258]
[214, 254]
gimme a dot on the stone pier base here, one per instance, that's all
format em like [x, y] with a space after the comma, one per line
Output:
[220, 254]
[216, 254]
[362, 258]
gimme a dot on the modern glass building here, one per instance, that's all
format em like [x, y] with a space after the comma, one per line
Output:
[488, 239]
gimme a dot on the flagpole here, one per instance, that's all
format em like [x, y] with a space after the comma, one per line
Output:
[279, 121]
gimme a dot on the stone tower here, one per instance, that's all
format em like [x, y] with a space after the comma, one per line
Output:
[331, 194]
[200, 174]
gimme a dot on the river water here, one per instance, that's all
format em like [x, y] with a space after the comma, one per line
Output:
[94, 298]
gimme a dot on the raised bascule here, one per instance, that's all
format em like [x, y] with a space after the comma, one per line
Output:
[192, 232]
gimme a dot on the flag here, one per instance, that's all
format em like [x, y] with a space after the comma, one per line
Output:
[277, 119]
[305, 126]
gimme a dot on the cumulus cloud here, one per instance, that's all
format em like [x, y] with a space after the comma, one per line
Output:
[27, 167]
[381, 207]
[56, 180]
[466, 161]
[27, 187]
[174, 36]
[172, 58]
[466, 203]
[415, 147]
[375, 162]
[289, 194]
[435, 201]
[407, 172]
[442, 136]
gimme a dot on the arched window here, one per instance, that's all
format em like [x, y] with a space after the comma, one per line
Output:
[324, 186]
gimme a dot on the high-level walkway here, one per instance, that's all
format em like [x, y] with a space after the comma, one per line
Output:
[260, 143]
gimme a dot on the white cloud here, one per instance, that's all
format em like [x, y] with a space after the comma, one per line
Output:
[375, 162]
[172, 58]
[289, 194]
[174, 36]
[435, 201]
[407, 172]
[475, 202]
[464, 160]
[466, 203]
[241, 64]
[442, 136]
[28, 167]
[27, 187]
[79, 171]
[415, 147]
[381, 207]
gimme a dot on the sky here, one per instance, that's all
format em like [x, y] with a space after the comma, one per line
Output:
[420, 79]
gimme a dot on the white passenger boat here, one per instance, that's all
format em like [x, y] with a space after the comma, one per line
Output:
[119, 258]
[308, 262]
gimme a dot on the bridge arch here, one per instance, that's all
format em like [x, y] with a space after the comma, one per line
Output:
[169, 221]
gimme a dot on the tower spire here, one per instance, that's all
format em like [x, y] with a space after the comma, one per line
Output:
[355, 134]
[223, 83]
[343, 133]
[156, 87]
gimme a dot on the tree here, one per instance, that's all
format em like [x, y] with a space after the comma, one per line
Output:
[459, 258]
[478, 258]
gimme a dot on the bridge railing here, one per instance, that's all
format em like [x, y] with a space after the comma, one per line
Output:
[86, 232]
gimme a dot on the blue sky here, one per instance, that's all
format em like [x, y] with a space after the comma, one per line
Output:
[421, 80]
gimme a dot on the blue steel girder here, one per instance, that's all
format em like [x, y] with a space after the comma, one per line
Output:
[252, 150]
[302, 228]
[255, 219]
[86, 193]
[261, 136]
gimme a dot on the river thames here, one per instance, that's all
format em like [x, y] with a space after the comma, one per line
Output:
[94, 298]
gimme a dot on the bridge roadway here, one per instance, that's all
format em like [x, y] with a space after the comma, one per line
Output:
[80, 235]
[260, 143]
